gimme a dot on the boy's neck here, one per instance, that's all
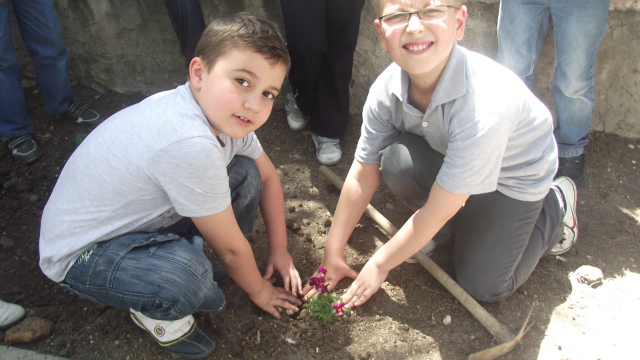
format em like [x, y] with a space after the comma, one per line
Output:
[422, 86]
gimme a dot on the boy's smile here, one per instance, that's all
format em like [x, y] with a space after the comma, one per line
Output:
[237, 93]
[420, 46]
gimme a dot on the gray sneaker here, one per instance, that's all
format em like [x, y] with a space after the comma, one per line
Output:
[566, 191]
[79, 112]
[295, 118]
[23, 148]
[328, 151]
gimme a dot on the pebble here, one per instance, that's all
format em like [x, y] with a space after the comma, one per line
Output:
[588, 274]
[327, 222]
[306, 222]
[291, 208]
[6, 242]
[289, 312]
[9, 183]
[378, 317]
[631, 146]
[33, 198]
[29, 331]
[447, 320]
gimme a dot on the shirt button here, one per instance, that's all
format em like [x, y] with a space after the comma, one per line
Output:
[424, 124]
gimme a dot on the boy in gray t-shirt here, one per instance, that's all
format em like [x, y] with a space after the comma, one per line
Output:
[125, 223]
[462, 142]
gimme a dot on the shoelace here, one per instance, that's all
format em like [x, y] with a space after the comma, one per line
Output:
[78, 108]
[18, 141]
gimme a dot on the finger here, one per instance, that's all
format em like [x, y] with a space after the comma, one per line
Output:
[298, 283]
[354, 293]
[352, 273]
[272, 279]
[287, 281]
[285, 305]
[273, 311]
[285, 295]
[268, 271]
[310, 294]
[363, 298]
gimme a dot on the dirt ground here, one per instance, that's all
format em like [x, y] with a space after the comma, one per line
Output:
[403, 320]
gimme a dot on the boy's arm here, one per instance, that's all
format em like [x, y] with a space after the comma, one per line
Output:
[358, 189]
[272, 209]
[414, 234]
[224, 236]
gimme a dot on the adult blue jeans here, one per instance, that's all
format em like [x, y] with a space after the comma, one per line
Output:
[40, 31]
[163, 276]
[578, 28]
[498, 240]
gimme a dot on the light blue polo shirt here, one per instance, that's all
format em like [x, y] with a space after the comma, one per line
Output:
[495, 134]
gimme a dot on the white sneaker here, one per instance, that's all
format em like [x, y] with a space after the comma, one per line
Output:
[295, 118]
[427, 250]
[10, 314]
[566, 192]
[328, 150]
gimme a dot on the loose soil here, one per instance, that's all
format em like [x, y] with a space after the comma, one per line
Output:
[403, 320]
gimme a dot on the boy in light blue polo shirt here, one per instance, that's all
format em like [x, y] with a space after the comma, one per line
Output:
[462, 142]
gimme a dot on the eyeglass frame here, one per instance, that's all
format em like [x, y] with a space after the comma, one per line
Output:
[410, 13]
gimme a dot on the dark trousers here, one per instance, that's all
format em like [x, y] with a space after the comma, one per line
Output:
[188, 22]
[498, 240]
[321, 38]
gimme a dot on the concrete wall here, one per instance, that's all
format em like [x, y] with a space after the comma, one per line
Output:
[129, 45]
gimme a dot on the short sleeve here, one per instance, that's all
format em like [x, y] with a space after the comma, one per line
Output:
[378, 132]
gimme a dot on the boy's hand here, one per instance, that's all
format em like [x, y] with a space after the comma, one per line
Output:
[337, 269]
[270, 297]
[280, 260]
[366, 284]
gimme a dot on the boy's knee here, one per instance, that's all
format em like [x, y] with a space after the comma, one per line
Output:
[195, 293]
[483, 289]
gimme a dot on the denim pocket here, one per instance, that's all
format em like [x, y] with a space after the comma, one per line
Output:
[187, 253]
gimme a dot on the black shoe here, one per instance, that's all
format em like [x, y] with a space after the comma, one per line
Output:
[24, 148]
[80, 113]
[573, 168]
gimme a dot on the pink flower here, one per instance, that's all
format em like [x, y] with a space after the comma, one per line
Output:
[339, 310]
[322, 270]
[318, 282]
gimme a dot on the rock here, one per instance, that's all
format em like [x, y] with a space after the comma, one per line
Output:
[9, 183]
[306, 222]
[309, 237]
[6, 242]
[33, 198]
[291, 208]
[405, 327]
[29, 331]
[447, 320]
[327, 222]
[295, 226]
[588, 274]
[289, 312]
[303, 315]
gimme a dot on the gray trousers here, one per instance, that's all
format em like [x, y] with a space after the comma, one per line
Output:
[498, 240]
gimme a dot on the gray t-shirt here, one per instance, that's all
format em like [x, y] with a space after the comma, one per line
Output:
[143, 168]
[495, 134]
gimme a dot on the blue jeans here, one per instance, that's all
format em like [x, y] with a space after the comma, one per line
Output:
[578, 30]
[40, 31]
[163, 276]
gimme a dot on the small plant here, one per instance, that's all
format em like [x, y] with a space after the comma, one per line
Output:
[322, 305]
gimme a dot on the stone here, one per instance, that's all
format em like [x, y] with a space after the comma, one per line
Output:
[447, 320]
[327, 222]
[6, 242]
[587, 274]
[29, 331]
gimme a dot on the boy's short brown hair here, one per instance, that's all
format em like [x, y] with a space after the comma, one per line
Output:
[242, 30]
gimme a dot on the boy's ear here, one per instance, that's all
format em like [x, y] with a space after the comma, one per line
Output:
[196, 69]
[461, 22]
[378, 25]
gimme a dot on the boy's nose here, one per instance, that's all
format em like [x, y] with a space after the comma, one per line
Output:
[415, 23]
[252, 103]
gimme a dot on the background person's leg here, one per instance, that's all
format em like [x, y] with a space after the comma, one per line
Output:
[331, 102]
[499, 241]
[188, 23]
[14, 119]
[40, 31]
[522, 27]
[305, 31]
[578, 32]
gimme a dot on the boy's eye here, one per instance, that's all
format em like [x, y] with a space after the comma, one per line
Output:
[269, 95]
[393, 18]
[242, 82]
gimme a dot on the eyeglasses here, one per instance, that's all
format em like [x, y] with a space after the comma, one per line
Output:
[431, 13]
